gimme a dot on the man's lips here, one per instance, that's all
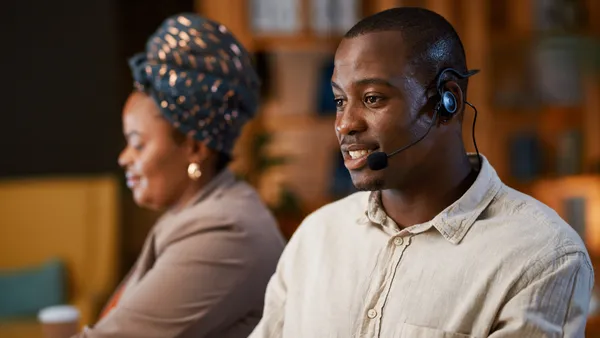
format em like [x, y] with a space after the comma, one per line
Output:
[355, 155]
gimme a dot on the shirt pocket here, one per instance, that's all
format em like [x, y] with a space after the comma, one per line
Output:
[414, 331]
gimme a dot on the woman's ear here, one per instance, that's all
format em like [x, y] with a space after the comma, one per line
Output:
[198, 152]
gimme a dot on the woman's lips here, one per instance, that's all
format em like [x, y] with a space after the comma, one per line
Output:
[132, 181]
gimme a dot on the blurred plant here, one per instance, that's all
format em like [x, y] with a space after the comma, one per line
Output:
[561, 25]
[264, 162]
[585, 49]
[259, 162]
[288, 205]
[563, 54]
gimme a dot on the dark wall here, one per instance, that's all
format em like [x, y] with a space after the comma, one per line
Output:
[65, 117]
[67, 80]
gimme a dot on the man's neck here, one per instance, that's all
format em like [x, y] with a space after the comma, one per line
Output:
[423, 202]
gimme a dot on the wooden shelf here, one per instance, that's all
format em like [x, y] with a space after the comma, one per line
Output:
[570, 182]
[592, 329]
[547, 122]
[499, 39]
[296, 42]
[282, 122]
[553, 192]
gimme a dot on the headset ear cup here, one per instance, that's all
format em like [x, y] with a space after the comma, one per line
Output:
[448, 105]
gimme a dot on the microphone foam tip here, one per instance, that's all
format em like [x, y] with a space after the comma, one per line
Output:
[377, 160]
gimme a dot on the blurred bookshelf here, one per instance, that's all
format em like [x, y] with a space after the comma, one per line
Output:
[512, 42]
[538, 94]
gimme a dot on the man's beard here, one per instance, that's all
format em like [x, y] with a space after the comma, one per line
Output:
[370, 186]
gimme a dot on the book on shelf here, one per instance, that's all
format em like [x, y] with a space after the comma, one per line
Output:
[569, 153]
[333, 17]
[273, 17]
[525, 156]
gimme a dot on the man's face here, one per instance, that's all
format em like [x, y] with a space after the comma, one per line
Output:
[380, 108]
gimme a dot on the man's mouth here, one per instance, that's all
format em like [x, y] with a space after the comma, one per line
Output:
[356, 154]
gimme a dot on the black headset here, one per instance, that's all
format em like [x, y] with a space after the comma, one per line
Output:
[445, 108]
[447, 105]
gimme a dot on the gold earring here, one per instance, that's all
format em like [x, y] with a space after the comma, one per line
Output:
[194, 171]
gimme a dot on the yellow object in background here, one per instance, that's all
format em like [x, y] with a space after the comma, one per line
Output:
[73, 219]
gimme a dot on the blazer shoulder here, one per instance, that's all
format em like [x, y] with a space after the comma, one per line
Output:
[236, 208]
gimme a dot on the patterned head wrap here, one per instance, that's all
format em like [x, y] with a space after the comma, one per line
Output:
[201, 77]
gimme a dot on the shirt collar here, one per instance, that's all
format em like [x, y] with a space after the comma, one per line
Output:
[454, 221]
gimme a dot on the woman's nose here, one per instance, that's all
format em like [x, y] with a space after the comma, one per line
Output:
[123, 158]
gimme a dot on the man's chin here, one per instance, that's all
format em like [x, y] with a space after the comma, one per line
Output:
[363, 183]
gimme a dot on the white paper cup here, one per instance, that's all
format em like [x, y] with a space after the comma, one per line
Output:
[61, 321]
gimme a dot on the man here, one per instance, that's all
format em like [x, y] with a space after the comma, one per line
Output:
[435, 245]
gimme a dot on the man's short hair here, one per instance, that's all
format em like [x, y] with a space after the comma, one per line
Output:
[432, 42]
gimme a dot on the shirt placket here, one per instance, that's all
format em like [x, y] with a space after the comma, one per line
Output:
[396, 246]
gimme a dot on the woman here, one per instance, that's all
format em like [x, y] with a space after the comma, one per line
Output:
[206, 263]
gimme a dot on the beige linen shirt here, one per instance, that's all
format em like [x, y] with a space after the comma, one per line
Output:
[202, 272]
[496, 263]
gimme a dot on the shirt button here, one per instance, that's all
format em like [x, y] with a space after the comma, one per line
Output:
[398, 241]
[372, 313]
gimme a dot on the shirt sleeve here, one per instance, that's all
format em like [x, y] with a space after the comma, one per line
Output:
[272, 322]
[554, 301]
[203, 280]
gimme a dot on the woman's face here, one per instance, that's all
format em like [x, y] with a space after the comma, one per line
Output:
[155, 165]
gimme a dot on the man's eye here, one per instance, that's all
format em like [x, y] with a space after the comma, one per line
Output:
[372, 99]
[339, 102]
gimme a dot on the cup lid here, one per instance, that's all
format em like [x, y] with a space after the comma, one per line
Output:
[58, 314]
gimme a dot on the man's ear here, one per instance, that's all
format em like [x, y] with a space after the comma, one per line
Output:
[428, 108]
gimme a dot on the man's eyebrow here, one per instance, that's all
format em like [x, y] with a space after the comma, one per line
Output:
[367, 81]
[375, 81]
